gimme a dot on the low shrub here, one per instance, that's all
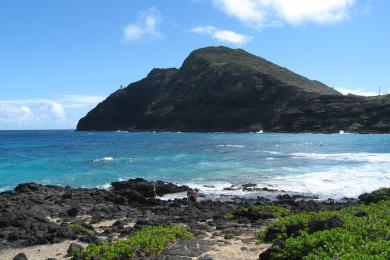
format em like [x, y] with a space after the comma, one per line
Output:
[148, 241]
[363, 234]
[375, 196]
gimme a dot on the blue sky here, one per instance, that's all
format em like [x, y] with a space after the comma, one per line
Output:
[59, 58]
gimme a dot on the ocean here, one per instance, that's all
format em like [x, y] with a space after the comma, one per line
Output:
[327, 166]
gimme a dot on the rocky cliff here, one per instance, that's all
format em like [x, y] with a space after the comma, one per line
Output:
[223, 89]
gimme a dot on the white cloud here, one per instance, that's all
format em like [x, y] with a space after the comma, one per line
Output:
[147, 26]
[44, 113]
[260, 13]
[222, 35]
[359, 92]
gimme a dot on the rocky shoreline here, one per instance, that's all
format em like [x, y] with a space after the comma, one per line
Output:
[34, 214]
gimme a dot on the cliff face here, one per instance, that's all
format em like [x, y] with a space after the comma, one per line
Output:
[222, 89]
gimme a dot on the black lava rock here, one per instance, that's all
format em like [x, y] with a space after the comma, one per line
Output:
[319, 225]
[272, 233]
[361, 214]
[292, 229]
[20, 256]
[73, 212]
[74, 248]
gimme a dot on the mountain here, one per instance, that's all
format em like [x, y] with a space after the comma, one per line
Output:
[223, 89]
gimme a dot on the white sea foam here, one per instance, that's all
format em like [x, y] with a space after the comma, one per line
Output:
[105, 186]
[104, 159]
[336, 182]
[273, 152]
[270, 158]
[359, 157]
[232, 145]
[5, 188]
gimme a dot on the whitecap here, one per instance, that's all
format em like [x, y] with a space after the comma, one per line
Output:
[336, 182]
[105, 186]
[232, 145]
[359, 157]
[104, 159]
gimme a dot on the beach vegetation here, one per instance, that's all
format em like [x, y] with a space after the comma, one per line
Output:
[81, 228]
[229, 216]
[146, 242]
[274, 209]
[362, 232]
[375, 196]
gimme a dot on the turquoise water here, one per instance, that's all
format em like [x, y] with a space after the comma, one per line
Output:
[324, 165]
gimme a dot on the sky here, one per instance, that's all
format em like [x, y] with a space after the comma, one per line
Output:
[59, 58]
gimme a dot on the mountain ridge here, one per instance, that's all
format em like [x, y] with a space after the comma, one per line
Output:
[223, 89]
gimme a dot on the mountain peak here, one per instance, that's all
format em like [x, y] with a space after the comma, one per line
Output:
[222, 56]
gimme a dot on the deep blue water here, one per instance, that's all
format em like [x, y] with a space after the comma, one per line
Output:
[326, 165]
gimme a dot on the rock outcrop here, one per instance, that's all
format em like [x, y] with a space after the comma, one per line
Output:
[223, 89]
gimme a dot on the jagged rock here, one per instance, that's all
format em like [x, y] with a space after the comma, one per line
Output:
[74, 248]
[319, 225]
[223, 89]
[146, 188]
[72, 212]
[293, 228]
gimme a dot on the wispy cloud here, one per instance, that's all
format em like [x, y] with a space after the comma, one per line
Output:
[222, 35]
[147, 26]
[41, 112]
[261, 13]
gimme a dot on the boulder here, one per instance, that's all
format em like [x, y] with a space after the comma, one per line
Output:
[272, 233]
[320, 225]
[20, 256]
[74, 248]
[72, 212]
[146, 188]
[293, 228]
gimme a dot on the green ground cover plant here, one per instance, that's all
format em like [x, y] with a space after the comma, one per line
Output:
[79, 227]
[148, 241]
[364, 233]
[277, 210]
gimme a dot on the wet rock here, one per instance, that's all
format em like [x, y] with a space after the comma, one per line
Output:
[248, 186]
[20, 256]
[319, 225]
[286, 199]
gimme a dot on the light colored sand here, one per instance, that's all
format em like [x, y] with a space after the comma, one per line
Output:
[237, 250]
[40, 252]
